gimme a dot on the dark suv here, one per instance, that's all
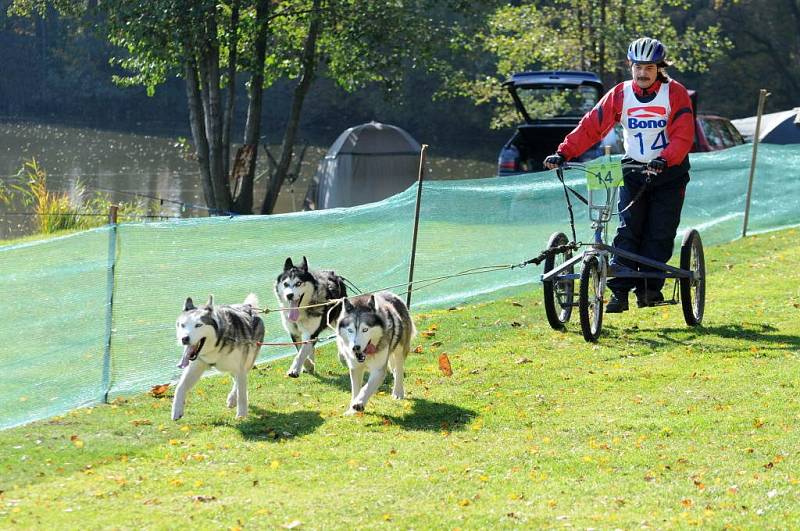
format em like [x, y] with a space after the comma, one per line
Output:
[563, 97]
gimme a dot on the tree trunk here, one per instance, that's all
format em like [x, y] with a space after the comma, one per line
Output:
[197, 124]
[209, 73]
[300, 91]
[227, 119]
[243, 202]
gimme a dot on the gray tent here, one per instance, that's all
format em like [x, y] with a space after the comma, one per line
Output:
[776, 128]
[367, 163]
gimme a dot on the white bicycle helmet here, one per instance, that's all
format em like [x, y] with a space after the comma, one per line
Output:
[647, 50]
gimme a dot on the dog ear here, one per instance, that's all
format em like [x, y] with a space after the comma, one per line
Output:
[188, 305]
[287, 265]
[210, 302]
[348, 307]
[304, 265]
[372, 302]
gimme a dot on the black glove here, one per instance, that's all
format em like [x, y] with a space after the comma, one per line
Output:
[657, 165]
[555, 160]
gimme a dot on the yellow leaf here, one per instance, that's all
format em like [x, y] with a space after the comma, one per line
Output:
[687, 502]
[275, 464]
[464, 502]
[176, 482]
[185, 428]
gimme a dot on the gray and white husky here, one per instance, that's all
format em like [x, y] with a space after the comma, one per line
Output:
[297, 287]
[226, 337]
[374, 332]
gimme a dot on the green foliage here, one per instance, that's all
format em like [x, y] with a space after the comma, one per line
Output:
[59, 211]
[582, 35]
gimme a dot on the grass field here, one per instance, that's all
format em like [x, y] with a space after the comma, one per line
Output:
[656, 426]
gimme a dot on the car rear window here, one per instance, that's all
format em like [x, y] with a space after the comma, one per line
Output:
[546, 101]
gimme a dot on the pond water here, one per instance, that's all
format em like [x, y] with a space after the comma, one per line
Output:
[130, 167]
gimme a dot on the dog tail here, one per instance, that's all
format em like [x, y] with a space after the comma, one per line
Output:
[252, 300]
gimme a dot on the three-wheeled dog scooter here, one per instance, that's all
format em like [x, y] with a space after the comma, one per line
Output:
[559, 275]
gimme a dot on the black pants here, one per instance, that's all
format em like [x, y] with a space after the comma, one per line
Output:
[648, 227]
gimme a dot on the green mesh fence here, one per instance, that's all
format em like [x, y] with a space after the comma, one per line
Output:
[54, 293]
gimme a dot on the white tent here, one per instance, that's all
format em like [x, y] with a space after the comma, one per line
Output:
[776, 128]
[367, 163]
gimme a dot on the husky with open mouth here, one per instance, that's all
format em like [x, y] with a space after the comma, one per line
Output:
[308, 299]
[226, 337]
[374, 332]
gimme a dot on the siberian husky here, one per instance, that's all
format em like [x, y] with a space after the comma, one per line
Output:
[296, 288]
[226, 337]
[374, 332]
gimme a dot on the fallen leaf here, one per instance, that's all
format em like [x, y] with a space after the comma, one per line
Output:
[418, 350]
[436, 344]
[515, 324]
[203, 498]
[427, 333]
[141, 422]
[522, 360]
[159, 391]
[687, 502]
[292, 525]
[464, 502]
[444, 364]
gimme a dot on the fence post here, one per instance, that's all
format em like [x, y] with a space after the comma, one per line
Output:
[762, 96]
[420, 176]
[112, 260]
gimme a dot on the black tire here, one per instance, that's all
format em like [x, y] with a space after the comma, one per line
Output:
[558, 296]
[590, 300]
[693, 291]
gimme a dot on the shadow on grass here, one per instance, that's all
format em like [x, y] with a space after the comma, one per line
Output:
[342, 381]
[434, 416]
[762, 334]
[262, 425]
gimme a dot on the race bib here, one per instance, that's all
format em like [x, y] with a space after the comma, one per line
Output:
[602, 174]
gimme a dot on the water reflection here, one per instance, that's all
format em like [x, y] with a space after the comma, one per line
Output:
[129, 166]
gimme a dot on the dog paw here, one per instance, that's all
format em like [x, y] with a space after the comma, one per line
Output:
[357, 406]
[231, 403]
[292, 374]
[176, 416]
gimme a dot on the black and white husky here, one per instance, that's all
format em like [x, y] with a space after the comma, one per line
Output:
[226, 337]
[374, 332]
[298, 287]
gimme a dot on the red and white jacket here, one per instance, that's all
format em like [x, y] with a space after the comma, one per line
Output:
[598, 122]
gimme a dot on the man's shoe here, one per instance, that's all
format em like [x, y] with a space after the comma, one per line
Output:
[649, 298]
[618, 303]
